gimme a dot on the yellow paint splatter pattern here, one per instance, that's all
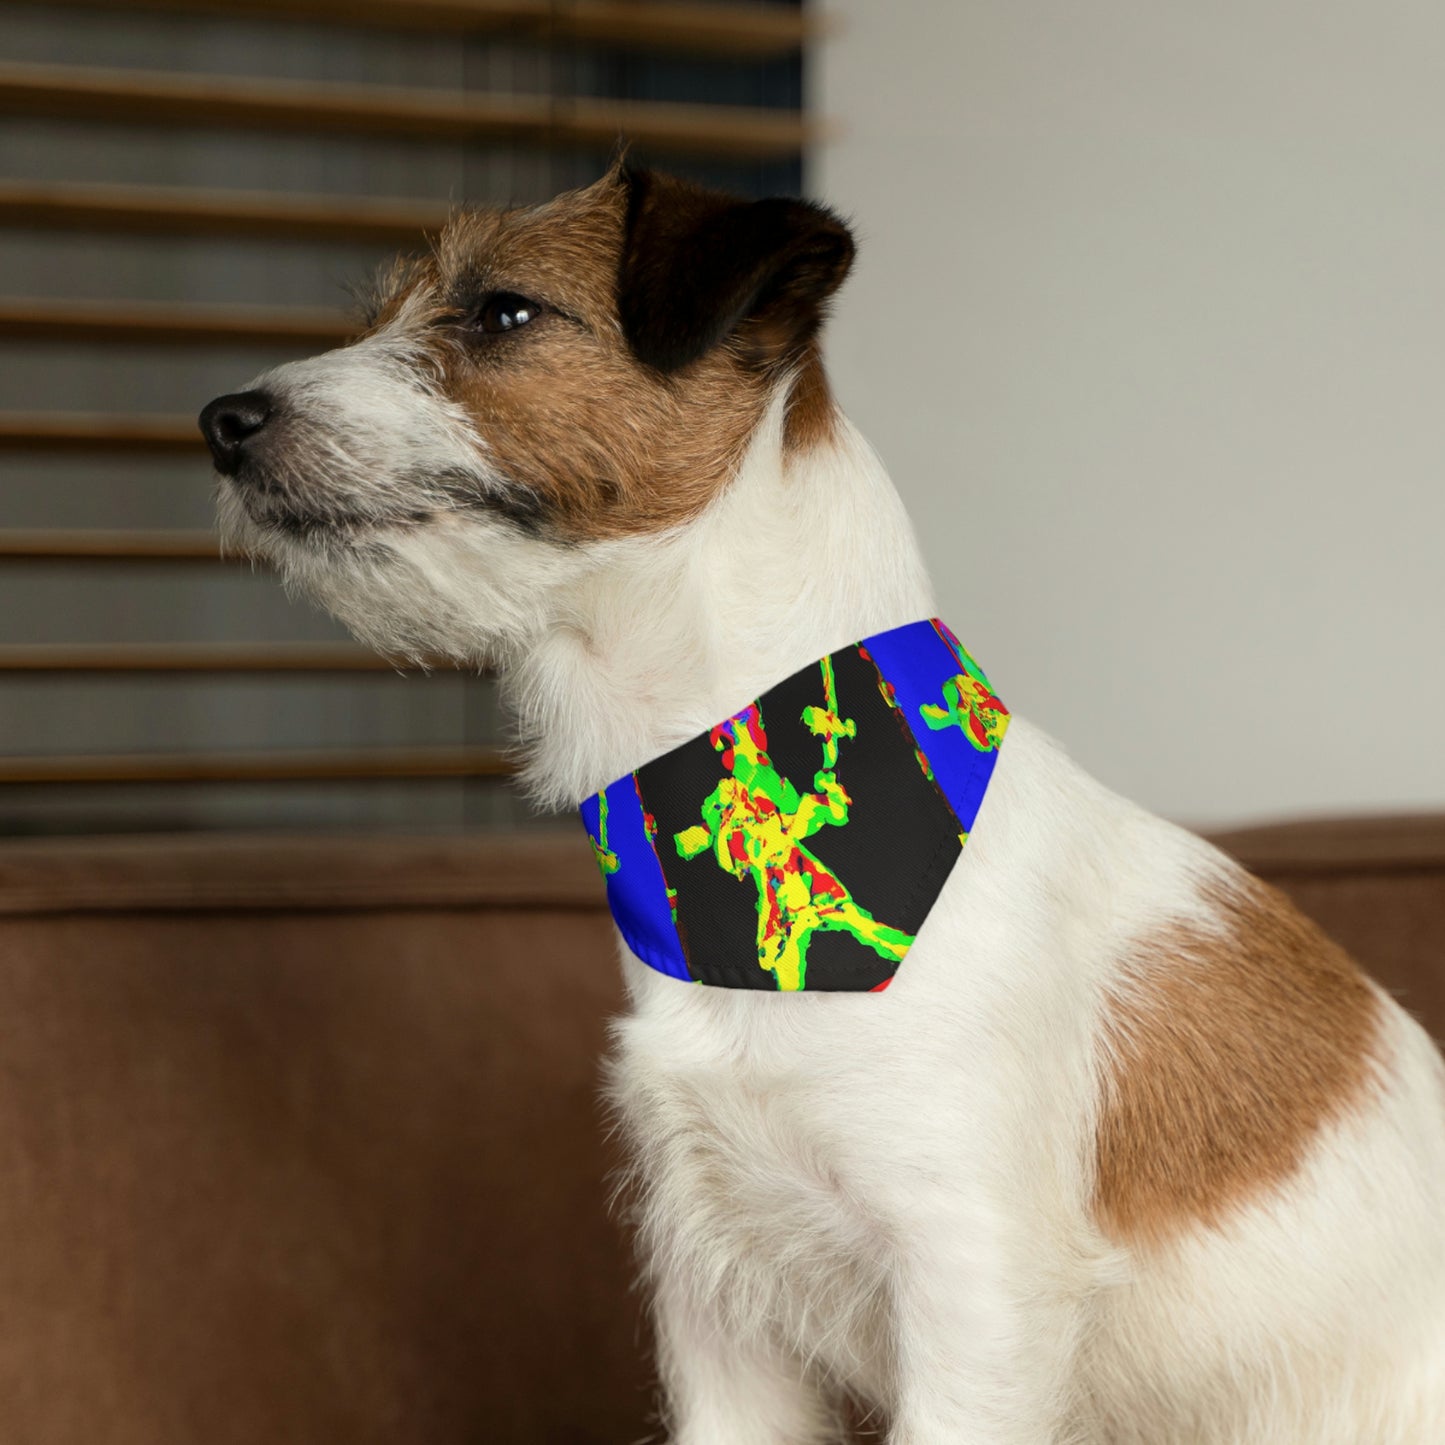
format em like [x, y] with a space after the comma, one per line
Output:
[756, 822]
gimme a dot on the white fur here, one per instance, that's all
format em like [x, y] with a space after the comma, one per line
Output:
[890, 1194]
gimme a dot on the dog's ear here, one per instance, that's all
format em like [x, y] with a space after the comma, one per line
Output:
[699, 266]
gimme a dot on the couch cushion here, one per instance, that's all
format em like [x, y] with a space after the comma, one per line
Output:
[299, 1142]
[299, 1139]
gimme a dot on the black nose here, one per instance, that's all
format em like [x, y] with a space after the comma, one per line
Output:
[229, 422]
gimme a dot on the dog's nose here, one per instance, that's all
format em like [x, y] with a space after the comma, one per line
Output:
[229, 422]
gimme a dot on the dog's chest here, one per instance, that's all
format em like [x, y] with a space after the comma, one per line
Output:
[751, 1185]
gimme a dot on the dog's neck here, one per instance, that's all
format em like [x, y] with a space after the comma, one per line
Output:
[664, 637]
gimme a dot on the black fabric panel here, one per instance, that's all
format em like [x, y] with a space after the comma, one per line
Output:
[716, 913]
[892, 856]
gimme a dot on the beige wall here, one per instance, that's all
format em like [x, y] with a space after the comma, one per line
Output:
[1149, 324]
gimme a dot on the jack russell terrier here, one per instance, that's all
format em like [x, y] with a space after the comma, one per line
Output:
[1069, 1131]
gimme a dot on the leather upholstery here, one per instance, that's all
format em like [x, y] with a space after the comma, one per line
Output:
[299, 1141]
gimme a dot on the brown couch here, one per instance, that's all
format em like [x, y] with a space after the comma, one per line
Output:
[299, 1141]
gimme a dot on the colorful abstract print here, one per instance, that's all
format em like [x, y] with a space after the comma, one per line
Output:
[801, 842]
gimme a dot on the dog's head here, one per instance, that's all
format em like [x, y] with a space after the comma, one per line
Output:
[546, 382]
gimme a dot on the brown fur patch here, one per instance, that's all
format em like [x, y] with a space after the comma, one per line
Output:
[812, 412]
[596, 442]
[1228, 1053]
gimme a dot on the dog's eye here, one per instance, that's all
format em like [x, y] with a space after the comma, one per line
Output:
[505, 311]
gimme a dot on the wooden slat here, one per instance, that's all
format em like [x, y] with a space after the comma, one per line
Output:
[170, 210]
[171, 324]
[216, 101]
[93, 431]
[107, 546]
[299, 872]
[265, 767]
[703, 29]
[179, 657]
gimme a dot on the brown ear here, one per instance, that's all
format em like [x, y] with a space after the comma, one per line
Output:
[699, 266]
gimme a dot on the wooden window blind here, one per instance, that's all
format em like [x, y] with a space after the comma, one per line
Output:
[187, 189]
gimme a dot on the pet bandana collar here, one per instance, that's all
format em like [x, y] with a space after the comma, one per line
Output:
[801, 842]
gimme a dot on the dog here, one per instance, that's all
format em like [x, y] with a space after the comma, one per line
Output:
[1126, 1152]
